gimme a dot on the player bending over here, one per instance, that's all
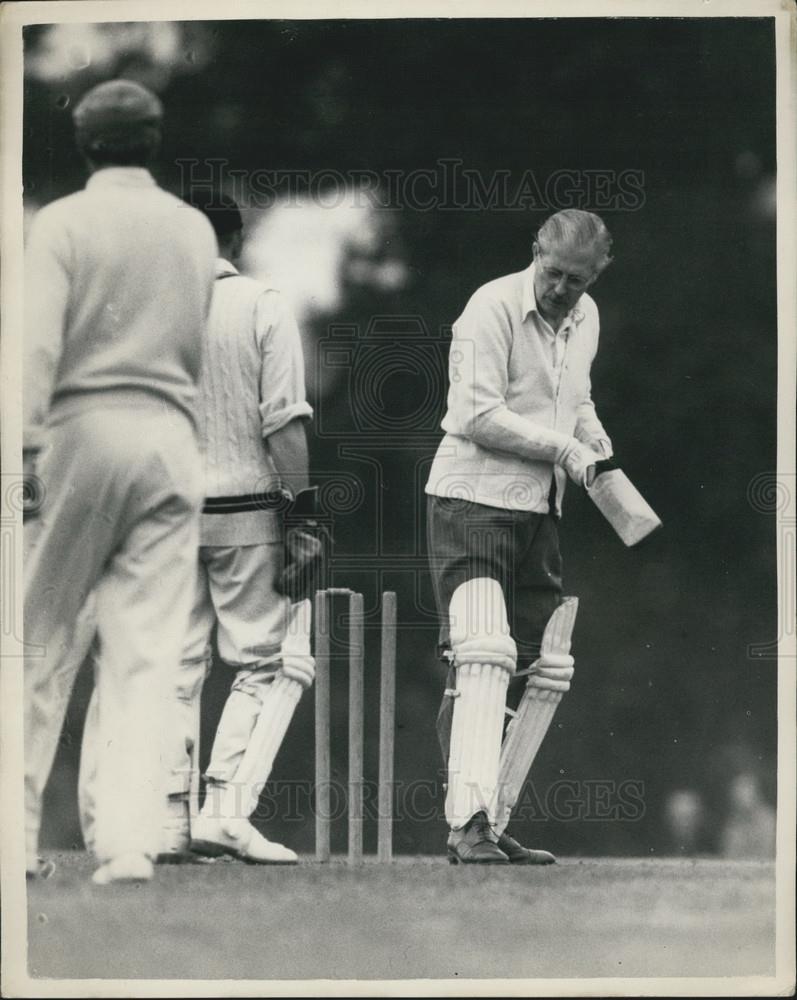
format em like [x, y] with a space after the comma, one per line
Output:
[520, 421]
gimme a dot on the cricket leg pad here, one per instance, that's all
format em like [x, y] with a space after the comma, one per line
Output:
[549, 679]
[238, 796]
[484, 658]
[234, 731]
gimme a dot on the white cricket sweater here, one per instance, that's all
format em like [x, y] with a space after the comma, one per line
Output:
[118, 279]
[252, 384]
[518, 393]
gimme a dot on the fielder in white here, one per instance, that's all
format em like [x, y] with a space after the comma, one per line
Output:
[251, 413]
[118, 279]
[520, 422]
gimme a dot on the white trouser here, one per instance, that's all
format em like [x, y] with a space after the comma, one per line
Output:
[120, 518]
[234, 587]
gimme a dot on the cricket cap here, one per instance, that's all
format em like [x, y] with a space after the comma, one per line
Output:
[117, 113]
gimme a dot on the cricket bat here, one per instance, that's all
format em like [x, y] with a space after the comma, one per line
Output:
[622, 505]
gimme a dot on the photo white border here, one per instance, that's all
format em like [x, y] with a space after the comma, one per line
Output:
[15, 981]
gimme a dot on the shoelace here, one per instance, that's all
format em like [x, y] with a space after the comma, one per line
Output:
[481, 826]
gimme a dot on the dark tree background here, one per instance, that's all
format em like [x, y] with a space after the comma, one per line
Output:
[671, 690]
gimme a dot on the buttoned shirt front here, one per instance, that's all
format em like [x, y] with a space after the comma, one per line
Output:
[518, 393]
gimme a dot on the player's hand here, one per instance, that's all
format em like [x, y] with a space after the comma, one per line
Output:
[579, 462]
[306, 544]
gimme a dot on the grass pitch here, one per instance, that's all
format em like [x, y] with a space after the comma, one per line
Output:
[416, 918]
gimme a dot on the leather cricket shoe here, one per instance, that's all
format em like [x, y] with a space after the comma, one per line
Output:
[129, 867]
[475, 844]
[214, 838]
[520, 855]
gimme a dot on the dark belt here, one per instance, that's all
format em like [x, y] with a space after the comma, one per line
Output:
[245, 502]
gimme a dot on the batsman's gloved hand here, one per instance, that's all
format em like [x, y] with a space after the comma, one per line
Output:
[306, 544]
[579, 461]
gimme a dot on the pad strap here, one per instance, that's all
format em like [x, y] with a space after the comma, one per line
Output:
[499, 650]
[552, 672]
[299, 668]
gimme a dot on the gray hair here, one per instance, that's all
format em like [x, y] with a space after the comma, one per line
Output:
[578, 230]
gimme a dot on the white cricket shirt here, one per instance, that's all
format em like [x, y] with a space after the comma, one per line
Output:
[252, 384]
[518, 393]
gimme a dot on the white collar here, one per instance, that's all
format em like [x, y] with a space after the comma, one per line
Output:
[224, 268]
[121, 176]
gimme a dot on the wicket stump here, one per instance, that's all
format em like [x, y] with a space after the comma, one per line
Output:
[387, 711]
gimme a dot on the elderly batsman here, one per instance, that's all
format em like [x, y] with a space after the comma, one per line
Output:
[520, 422]
[118, 279]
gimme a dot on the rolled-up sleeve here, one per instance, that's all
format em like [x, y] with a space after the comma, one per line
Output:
[282, 385]
[46, 300]
[479, 379]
